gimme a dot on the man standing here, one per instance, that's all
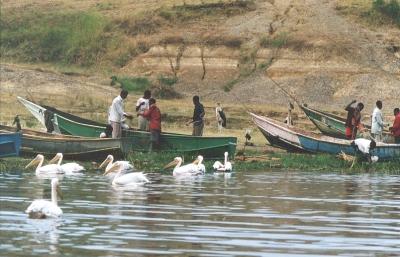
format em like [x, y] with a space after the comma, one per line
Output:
[198, 117]
[141, 106]
[395, 129]
[377, 122]
[153, 114]
[353, 120]
[117, 114]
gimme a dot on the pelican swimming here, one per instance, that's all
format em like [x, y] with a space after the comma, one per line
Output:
[47, 169]
[121, 179]
[40, 209]
[119, 165]
[225, 167]
[188, 169]
[201, 169]
[70, 168]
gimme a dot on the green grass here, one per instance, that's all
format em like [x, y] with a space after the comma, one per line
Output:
[155, 162]
[59, 37]
[277, 41]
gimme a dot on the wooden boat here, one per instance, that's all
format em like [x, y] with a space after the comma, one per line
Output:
[10, 144]
[68, 124]
[35, 142]
[290, 138]
[334, 125]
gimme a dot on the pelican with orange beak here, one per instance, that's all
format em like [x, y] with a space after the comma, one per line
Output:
[70, 168]
[187, 170]
[45, 170]
[119, 165]
[127, 179]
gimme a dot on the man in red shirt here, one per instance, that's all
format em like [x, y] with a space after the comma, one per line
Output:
[395, 129]
[153, 114]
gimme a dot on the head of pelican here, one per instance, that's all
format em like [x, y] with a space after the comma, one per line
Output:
[198, 160]
[176, 162]
[58, 157]
[108, 160]
[38, 159]
[115, 167]
[55, 190]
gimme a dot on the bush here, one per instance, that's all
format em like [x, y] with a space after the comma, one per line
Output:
[132, 84]
[167, 81]
[389, 9]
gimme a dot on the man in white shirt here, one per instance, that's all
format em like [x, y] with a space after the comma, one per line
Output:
[377, 122]
[141, 106]
[363, 148]
[117, 114]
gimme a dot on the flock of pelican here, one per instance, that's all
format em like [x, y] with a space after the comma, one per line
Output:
[121, 173]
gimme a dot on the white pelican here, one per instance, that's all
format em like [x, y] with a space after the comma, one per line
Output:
[70, 168]
[188, 169]
[120, 179]
[201, 169]
[40, 209]
[226, 167]
[44, 170]
[120, 165]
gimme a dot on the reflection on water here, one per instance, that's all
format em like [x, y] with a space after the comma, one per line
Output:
[244, 214]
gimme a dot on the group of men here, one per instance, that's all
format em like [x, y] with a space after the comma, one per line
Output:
[353, 122]
[149, 117]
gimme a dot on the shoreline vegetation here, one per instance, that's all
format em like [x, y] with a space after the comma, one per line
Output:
[252, 160]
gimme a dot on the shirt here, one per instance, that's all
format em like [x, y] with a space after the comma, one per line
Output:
[116, 110]
[377, 121]
[153, 114]
[198, 113]
[363, 145]
[144, 106]
[396, 126]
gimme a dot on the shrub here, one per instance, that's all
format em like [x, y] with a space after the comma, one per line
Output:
[132, 84]
[389, 9]
[167, 81]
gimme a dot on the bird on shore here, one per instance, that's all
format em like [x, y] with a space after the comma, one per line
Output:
[188, 169]
[41, 209]
[70, 168]
[223, 167]
[49, 169]
[126, 179]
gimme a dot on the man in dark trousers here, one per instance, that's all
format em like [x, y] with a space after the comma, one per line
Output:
[395, 129]
[198, 117]
[353, 120]
[153, 114]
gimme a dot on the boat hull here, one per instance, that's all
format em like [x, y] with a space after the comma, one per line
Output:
[210, 147]
[335, 126]
[10, 144]
[314, 143]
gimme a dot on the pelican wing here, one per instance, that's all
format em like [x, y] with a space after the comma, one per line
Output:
[125, 165]
[50, 168]
[71, 168]
[131, 178]
[188, 169]
[43, 208]
[217, 165]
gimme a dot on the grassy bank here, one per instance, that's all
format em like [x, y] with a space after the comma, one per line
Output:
[253, 161]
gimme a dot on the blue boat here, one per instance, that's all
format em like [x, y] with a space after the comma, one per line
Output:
[10, 144]
[291, 138]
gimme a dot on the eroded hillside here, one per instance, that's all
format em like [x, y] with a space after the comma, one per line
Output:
[230, 50]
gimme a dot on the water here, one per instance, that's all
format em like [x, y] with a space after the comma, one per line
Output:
[273, 213]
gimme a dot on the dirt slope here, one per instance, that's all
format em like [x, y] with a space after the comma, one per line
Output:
[314, 52]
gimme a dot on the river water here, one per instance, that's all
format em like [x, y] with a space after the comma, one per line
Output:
[272, 213]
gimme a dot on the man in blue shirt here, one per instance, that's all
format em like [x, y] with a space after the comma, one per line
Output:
[198, 117]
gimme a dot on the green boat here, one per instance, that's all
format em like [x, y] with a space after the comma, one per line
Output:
[334, 125]
[67, 124]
